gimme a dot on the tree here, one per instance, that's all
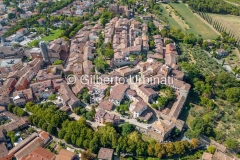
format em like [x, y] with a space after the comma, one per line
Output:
[233, 94]
[16, 45]
[61, 134]
[52, 97]
[190, 39]
[45, 126]
[109, 53]
[199, 126]
[67, 137]
[87, 155]
[211, 149]
[194, 143]
[231, 143]
[168, 41]
[179, 148]
[164, 32]
[57, 62]
[51, 129]
[93, 145]
[127, 128]
[169, 149]
[12, 136]
[10, 107]
[11, 15]
[79, 142]
[159, 150]
[224, 78]
[100, 64]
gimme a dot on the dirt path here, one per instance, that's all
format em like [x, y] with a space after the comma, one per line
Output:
[205, 21]
[237, 53]
[235, 4]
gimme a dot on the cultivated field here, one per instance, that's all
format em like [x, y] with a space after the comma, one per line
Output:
[169, 19]
[230, 21]
[196, 25]
[178, 19]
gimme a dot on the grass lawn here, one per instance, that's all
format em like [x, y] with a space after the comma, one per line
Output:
[197, 26]
[52, 36]
[170, 20]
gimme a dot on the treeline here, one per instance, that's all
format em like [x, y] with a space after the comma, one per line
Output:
[24, 23]
[213, 6]
[57, 5]
[43, 8]
[123, 139]
[220, 28]
[17, 110]
[105, 17]
[46, 116]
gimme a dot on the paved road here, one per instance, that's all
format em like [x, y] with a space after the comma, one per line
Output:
[76, 117]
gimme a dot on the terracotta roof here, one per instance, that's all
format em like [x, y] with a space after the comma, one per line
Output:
[41, 153]
[65, 108]
[44, 135]
[106, 105]
[139, 106]
[23, 143]
[78, 87]
[163, 126]
[177, 106]
[221, 156]
[170, 48]
[37, 142]
[118, 91]
[2, 108]
[65, 155]
[3, 150]
[131, 92]
[105, 153]
[147, 90]
[21, 30]
[207, 156]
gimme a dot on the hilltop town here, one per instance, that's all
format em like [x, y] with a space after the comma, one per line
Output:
[54, 106]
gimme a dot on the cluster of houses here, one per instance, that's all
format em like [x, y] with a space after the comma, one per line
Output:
[127, 37]
[29, 148]
[120, 10]
[77, 8]
[34, 83]
[142, 94]
[26, 7]
[82, 51]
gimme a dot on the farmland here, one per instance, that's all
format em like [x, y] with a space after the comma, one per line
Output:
[170, 20]
[196, 25]
[231, 22]
[223, 115]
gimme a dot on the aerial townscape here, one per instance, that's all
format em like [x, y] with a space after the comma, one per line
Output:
[119, 79]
